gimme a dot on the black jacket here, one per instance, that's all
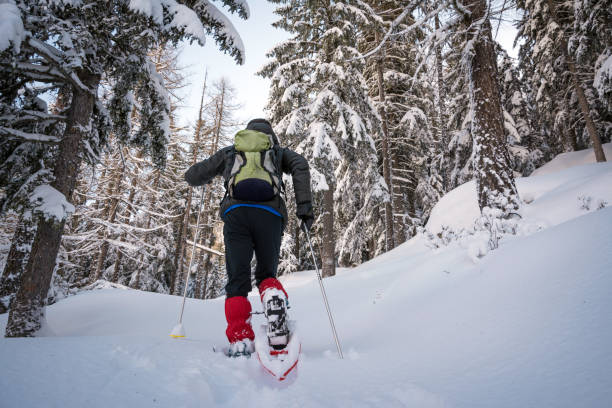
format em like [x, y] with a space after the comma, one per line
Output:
[220, 164]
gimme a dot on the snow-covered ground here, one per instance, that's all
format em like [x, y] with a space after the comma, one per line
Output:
[527, 325]
[571, 159]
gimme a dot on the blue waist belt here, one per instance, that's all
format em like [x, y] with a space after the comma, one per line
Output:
[263, 207]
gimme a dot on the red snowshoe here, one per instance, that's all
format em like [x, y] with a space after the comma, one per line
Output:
[276, 344]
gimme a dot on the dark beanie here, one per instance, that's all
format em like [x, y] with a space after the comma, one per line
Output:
[260, 125]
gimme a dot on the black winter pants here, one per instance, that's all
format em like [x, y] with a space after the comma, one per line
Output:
[249, 229]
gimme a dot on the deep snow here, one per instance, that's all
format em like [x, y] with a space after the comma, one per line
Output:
[527, 325]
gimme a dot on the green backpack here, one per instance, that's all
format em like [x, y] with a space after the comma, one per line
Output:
[254, 175]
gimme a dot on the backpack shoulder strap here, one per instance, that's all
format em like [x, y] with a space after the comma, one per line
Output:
[279, 165]
[237, 163]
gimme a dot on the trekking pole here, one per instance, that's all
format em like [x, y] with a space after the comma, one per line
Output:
[178, 330]
[331, 319]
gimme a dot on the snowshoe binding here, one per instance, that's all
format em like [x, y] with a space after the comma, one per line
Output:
[275, 310]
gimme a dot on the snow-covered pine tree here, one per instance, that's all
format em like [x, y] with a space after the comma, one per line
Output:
[564, 80]
[127, 227]
[112, 189]
[125, 252]
[84, 233]
[14, 240]
[293, 256]
[494, 178]
[290, 71]
[441, 94]
[73, 44]
[547, 91]
[424, 148]
[375, 78]
[590, 45]
[164, 196]
[459, 120]
[319, 102]
[522, 139]
[468, 28]
[431, 153]
[389, 77]
[162, 189]
[420, 143]
[30, 133]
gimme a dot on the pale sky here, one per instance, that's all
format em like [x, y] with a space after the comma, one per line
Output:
[258, 37]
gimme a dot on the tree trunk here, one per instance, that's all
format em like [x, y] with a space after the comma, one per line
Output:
[118, 259]
[180, 242]
[197, 287]
[27, 314]
[386, 156]
[494, 178]
[130, 200]
[328, 247]
[582, 101]
[399, 205]
[16, 261]
[586, 113]
[570, 134]
[178, 275]
[99, 203]
[443, 138]
[135, 280]
[205, 288]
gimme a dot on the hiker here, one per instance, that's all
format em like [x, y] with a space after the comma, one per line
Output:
[255, 216]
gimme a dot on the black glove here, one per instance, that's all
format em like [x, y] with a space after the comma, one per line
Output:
[304, 212]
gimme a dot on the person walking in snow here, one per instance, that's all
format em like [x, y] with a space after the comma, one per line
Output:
[255, 215]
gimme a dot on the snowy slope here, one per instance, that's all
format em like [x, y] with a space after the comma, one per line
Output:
[527, 325]
[552, 196]
[571, 159]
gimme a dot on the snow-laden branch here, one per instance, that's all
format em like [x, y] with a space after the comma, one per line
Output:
[89, 235]
[147, 211]
[45, 50]
[461, 8]
[171, 14]
[181, 16]
[122, 244]
[54, 57]
[27, 115]
[204, 248]
[127, 228]
[29, 137]
[411, 27]
[35, 72]
[137, 260]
